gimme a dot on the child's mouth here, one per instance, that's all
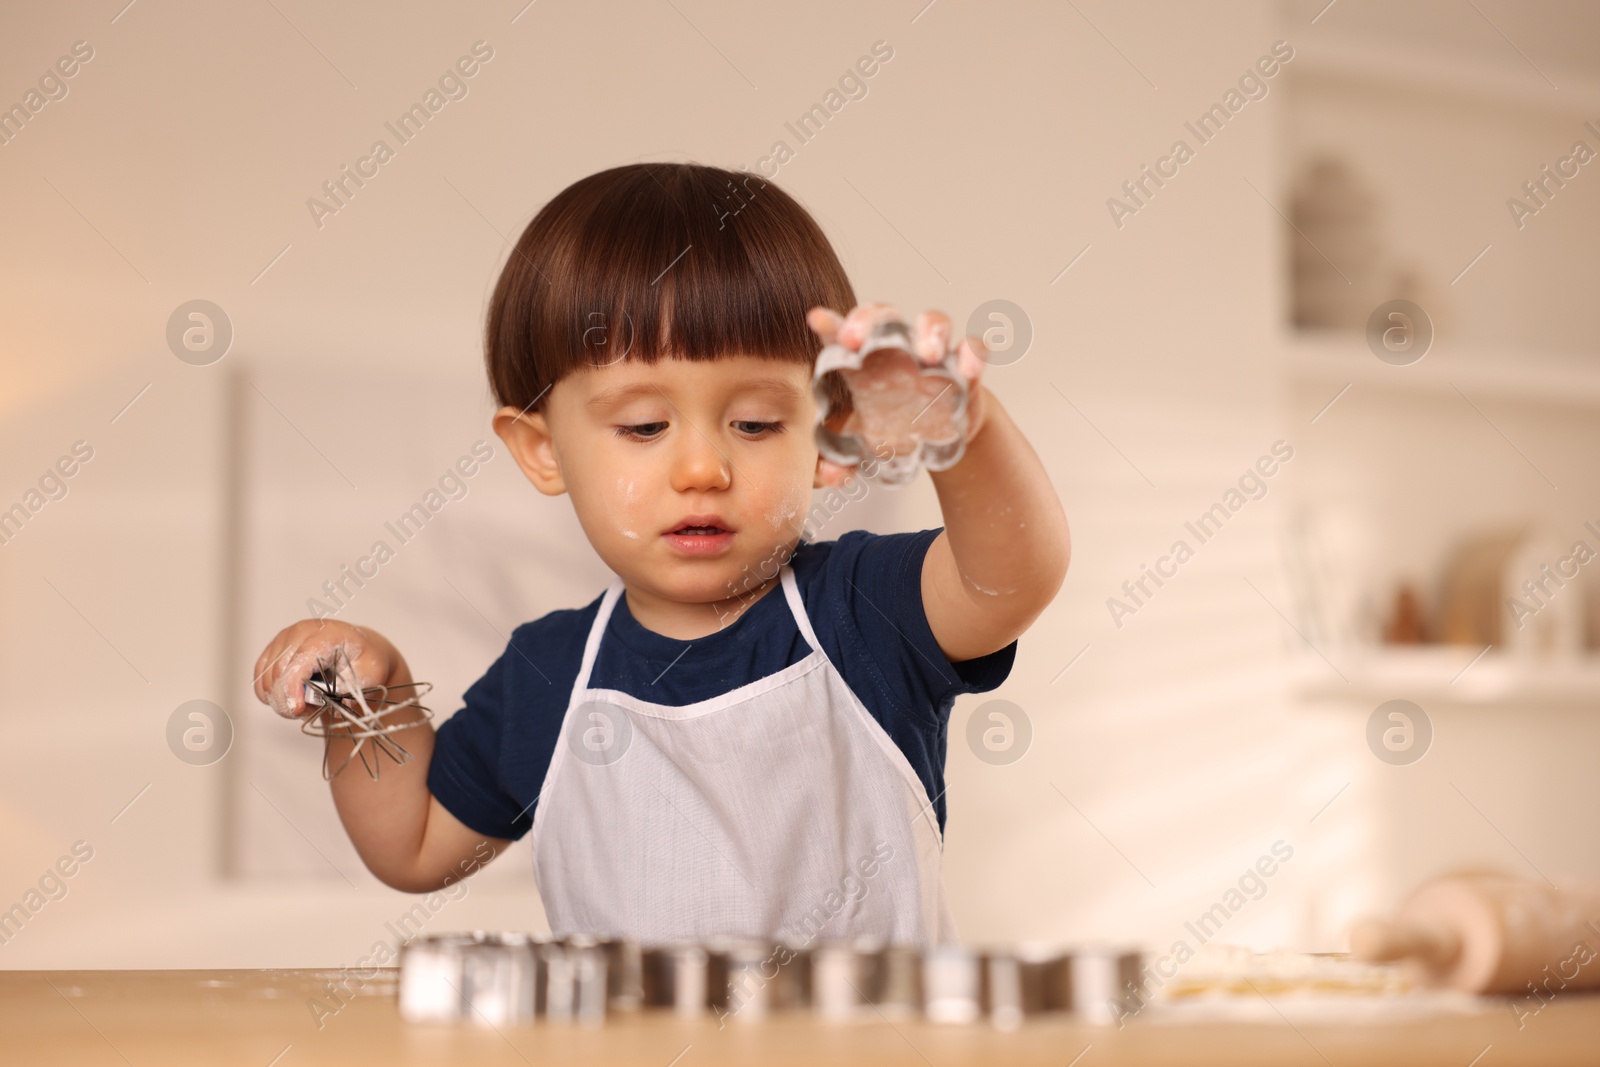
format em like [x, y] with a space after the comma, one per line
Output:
[701, 538]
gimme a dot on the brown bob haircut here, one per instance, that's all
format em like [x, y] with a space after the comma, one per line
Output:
[660, 259]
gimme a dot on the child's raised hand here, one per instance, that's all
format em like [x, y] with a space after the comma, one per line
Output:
[931, 339]
[292, 657]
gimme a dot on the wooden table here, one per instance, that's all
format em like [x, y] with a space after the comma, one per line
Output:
[262, 1018]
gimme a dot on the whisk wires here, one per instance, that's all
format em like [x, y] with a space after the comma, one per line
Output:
[359, 713]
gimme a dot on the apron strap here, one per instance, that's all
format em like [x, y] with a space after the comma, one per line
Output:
[591, 647]
[791, 593]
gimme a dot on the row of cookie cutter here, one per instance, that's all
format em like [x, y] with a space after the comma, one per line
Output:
[496, 980]
[854, 450]
[506, 979]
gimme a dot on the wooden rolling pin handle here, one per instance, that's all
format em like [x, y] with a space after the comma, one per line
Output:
[1380, 940]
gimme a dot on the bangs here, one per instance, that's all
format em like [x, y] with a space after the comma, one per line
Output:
[660, 259]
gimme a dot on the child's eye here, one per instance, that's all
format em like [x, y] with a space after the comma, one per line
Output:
[644, 431]
[755, 428]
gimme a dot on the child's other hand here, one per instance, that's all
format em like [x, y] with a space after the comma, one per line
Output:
[931, 338]
[291, 658]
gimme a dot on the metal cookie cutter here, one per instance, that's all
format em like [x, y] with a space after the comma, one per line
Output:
[842, 976]
[951, 983]
[897, 988]
[572, 982]
[1024, 981]
[742, 979]
[1102, 978]
[431, 979]
[675, 977]
[624, 973]
[499, 980]
[907, 413]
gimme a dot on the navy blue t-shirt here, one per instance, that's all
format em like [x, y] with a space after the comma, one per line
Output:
[863, 595]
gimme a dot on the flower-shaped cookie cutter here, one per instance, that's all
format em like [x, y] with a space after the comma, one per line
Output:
[892, 391]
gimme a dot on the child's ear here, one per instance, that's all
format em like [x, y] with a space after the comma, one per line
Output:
[527, 437]
[831, 475]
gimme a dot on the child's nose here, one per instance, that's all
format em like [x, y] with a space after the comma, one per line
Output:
[699, 464]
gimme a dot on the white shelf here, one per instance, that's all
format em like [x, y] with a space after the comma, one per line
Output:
[1334, 358]
[1434, 675]
[1467, 77]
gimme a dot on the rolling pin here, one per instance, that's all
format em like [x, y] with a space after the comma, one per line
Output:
[1483, 932]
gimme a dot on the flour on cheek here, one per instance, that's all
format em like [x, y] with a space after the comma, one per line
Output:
[783, 513]
[629, 492]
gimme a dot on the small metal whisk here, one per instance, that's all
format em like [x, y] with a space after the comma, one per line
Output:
[349, 710]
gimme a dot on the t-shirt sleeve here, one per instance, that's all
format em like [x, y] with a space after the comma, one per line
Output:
[465, 772]
[885, 579]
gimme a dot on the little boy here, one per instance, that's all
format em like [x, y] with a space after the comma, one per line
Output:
[745, 734]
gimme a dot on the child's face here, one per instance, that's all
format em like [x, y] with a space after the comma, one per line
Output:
[644, 449]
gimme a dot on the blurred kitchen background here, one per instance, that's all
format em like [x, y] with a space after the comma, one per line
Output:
[1172, 345]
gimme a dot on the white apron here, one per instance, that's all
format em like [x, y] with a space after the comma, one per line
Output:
[781, 809]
